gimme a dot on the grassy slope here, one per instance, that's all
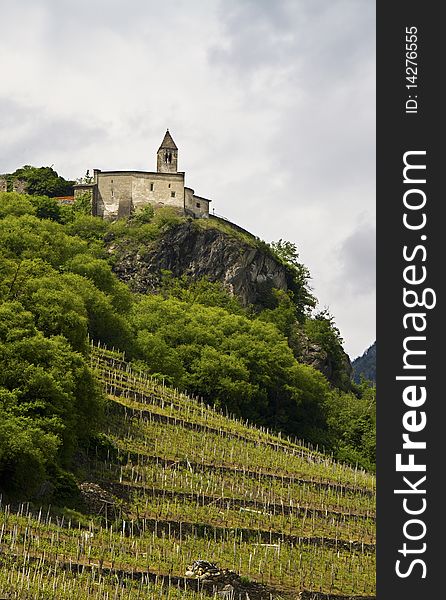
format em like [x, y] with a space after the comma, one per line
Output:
[193, 483]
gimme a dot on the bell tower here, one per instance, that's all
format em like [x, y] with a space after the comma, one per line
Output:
[167, 156]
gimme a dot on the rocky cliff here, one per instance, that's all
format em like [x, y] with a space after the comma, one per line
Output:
[244, 265]
[247, 271]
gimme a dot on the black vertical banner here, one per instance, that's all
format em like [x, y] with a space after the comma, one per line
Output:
[411, 357]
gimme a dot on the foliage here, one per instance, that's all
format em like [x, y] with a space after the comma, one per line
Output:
[286, 251]
[12, 203]
[28, 237]
[143, 215]
[87, 228]
[321, 330]
[143, 227]
[284, 317]
[46, 208]
[199, 291]
[298, 277]
[44, 181]
[82, 204]
[54, 293]
[192, 334]
[352, 422]
[232, 361]
[49, 399]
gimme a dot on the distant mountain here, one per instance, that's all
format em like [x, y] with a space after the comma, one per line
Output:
[365, 365]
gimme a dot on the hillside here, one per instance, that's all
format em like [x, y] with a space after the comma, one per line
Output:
[365, 365]
[119, 469]
[218, 251]
[173, 481]
[214, 249]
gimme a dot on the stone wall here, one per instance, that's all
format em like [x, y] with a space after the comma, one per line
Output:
[119, 193]
[167, 167]
[164, 189]
[80, 190]
[19, 186]
[113, 188]
[201, 207]
[195, 205]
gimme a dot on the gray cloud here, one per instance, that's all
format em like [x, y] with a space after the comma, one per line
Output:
[36, 137]
[358, 260]
[317, 41]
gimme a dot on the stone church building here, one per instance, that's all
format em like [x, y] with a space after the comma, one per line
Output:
[117, 194]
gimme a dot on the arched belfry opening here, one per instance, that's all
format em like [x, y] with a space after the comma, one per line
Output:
[167, 157]
[117, 194]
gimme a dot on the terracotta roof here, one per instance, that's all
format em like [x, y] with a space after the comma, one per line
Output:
[168, 142]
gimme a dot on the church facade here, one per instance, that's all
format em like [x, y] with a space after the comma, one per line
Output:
[116, 194]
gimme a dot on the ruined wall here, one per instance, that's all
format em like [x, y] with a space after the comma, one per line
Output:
[19, 186]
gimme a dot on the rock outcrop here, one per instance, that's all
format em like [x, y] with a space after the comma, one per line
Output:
[227, 584]
[245, 270]
[244, 267]
[314, 355]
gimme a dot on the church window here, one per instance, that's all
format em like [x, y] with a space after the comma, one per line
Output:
[172, 194]
[151, 187]
[198, 205]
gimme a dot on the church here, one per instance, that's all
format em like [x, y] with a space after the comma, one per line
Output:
[116, 194]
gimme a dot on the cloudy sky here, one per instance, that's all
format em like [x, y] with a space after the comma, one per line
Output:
[271, 103]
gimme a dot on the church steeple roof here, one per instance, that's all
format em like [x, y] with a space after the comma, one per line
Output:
[168, 142]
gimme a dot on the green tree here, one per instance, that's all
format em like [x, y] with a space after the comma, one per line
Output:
[88, 228]
[234, 362]
[284, 317]
[14, 204]
[352, 426]
[49, 400]
[99, 272]
[44, 181]
[199, 291]
[28, 237]
[58, 309]
[46, 208]
[298, 277]
[82, 204]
